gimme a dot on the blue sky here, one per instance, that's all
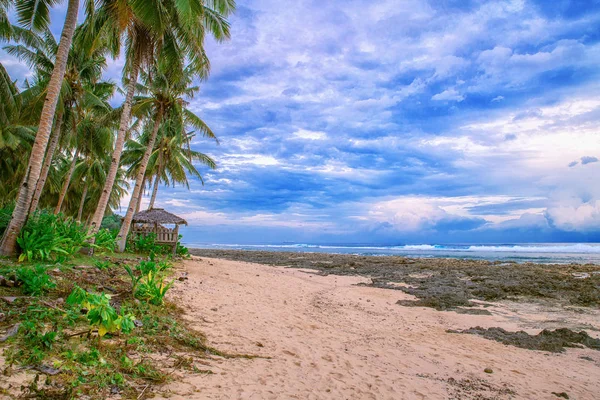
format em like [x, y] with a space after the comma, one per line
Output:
[403, 121]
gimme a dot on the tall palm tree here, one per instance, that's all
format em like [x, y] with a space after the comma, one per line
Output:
[168, 89]
[171, 161]
[172, 28]
[84, 69]
[16, 136]
[35, 15]
[92, 137]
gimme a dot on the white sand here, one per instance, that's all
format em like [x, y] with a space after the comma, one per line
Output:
[329, 339]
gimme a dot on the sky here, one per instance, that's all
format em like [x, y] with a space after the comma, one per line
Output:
[402, 121]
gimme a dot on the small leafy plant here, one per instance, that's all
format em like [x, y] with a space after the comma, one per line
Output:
[105, 240]
[35, 280]
[102, 265]
[100, 314]
[181, 250]
[152, 288]
[147, 282]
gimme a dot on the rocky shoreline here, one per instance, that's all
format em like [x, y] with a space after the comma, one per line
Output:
[445, 283]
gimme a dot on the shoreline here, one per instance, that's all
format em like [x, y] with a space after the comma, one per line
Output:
[328, 336]
[445, 283]
[543, 253]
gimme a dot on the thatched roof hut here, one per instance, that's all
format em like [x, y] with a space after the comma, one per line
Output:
[152, 221]
[158, 216]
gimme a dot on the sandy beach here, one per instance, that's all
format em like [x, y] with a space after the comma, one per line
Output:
[327, 337]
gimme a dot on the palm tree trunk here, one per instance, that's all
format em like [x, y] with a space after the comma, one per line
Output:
[47, 161]
[116, 157]
[158, 172]
[66, 182]
[154, 192]
[8, 246]
[82, 201]
[141, 172]
[139, 203]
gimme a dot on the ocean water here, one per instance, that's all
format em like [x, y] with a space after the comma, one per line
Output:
[551, 253]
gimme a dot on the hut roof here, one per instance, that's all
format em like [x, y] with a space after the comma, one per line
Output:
[158, 216]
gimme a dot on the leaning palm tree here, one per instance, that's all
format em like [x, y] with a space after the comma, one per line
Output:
[35, 15]
[16, 137]
[167, 90]
[173, 29]
[171, 161]
[174, 161]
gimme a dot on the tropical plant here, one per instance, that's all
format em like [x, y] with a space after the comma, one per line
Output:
[34, 15]
[46, 236]
[167, 90]
[35, 280]
[16, 137]
[174, 29]
[100, 314]
[105, 240]
[152, 288]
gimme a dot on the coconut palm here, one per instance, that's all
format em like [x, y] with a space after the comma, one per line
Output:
[171, 161]
[167, 90]
[174, 29]
[16, 137]
[35, 15]
[84, 69]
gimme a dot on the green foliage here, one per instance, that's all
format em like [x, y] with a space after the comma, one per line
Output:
[147, 281]
[101, 314]
[102, 265]
[147, 244]
[181, 250]
[5, 215]
[39, 244]
[106, 240]
[47, 236]
[111, 222]
[152, 288]
[35, 280]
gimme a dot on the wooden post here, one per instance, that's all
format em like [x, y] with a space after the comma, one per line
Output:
[175, 239]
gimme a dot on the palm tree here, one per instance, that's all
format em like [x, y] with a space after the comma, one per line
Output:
[92, 135]
[5, 26]
[35, 15]
[171, 161]
[16, 136]
[167, 90]
[84, 69]
[174, 29]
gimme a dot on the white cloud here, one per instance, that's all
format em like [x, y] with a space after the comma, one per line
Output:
[310, 135]
[449, 95]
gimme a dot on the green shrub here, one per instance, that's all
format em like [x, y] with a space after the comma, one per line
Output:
[101, 315]
[111, 222]
[152, 289]
[102, 265]
[106, 240]
[47, 236]
[5, 215]
[35, 280]
[181, 250]
[147, 244]
[147, 282]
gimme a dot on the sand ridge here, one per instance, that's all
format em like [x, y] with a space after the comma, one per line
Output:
[326, 338]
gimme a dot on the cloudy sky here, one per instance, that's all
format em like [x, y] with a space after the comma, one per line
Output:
[399, 121]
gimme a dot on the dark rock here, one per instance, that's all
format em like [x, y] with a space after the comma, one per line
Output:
[10, 333]
[488, 371]
[554, 341]
[46, 369]
[561, 394]
[9, 299]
